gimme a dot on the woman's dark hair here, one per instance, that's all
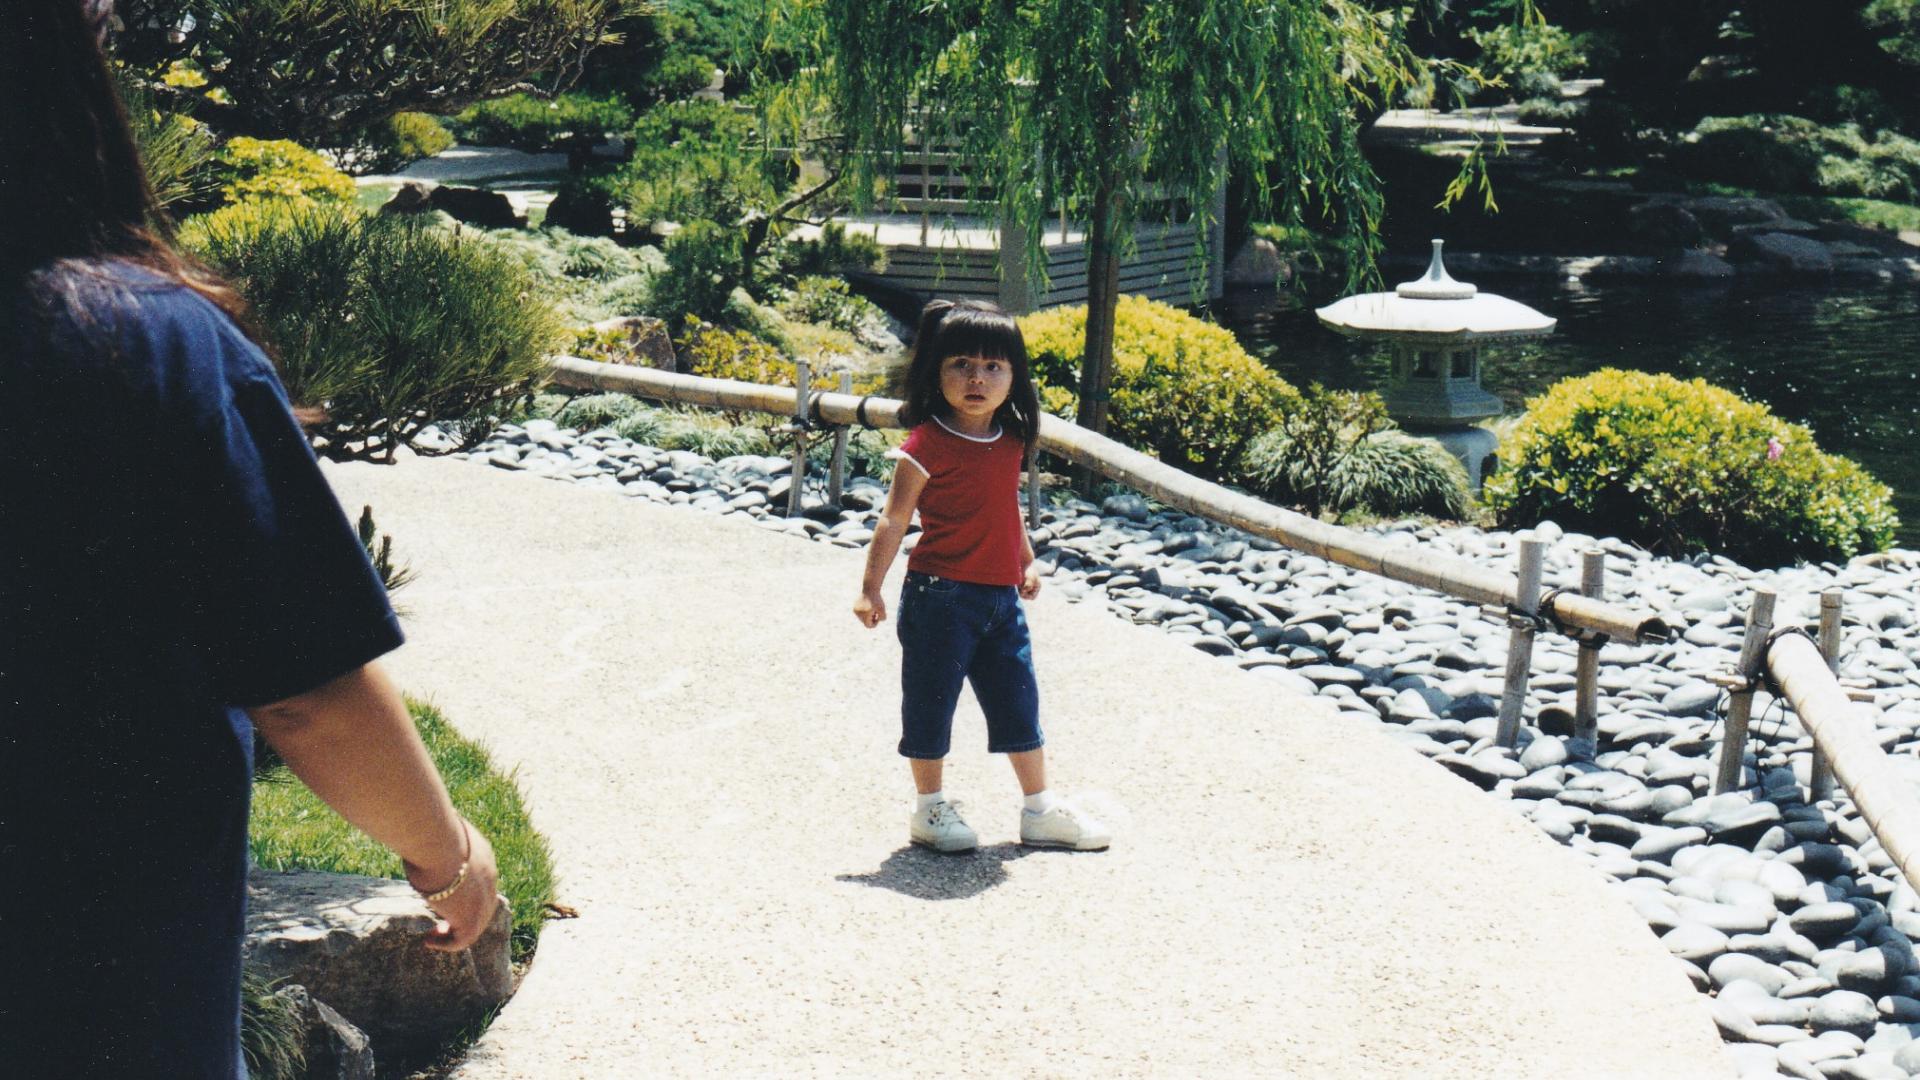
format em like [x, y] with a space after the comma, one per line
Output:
[73, 193]
[970, 328]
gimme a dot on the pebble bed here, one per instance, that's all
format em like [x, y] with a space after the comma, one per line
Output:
[1787, 913]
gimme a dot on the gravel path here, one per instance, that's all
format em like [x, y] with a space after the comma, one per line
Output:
[706, 737]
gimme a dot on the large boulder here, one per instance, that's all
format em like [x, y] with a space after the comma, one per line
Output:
[1259, 264]
[1784, 252]
[1664, 226]
[580, 210]
[1720, 213]
[645, 339]
[477, 206]
[359, 944]
[412, 198]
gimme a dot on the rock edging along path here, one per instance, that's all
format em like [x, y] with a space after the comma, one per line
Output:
[706, 736]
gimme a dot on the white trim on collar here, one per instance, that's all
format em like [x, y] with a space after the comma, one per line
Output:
[970, 438]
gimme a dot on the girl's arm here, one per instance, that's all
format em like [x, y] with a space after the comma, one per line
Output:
[1029, 573]
[908, 483]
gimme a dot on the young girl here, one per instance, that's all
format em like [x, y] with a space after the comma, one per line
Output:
[975, 416]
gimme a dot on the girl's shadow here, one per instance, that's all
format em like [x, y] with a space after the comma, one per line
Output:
[928, 875]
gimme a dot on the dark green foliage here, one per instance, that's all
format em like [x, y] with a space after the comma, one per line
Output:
[583, 205]
[314, 70]
[833, 251]
[597, 411]
[395, 576]
[569, 123]
[659, 58]
[272, 1031]
[1388, 474]
[1794, 154]
[703, 270]
[177, 154]
[1314, 439]
[828, 302]
[387, 146]
[1683, 467]
[387, 324]
[698, 161]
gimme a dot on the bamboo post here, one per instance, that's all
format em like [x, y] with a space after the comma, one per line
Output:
[1586, 693]
[1733, 745]
[836, 480]
[1820, 784]
[1883, 798]
[798, 479]
[1033, 490]
[1520, 641]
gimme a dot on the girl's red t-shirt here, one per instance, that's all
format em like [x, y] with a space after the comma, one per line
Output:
[970, 508]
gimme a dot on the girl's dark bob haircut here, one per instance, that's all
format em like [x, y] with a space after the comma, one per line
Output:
[970, 328]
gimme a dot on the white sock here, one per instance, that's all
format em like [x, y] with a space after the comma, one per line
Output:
[1040, 801]
[930, 798]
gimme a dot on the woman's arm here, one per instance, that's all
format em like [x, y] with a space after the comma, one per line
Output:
[352, 741]
[908, 483]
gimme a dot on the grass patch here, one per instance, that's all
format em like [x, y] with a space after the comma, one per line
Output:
[292, 829]
[1872, 213]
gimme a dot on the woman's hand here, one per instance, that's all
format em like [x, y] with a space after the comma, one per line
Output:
[464, 915]
[1030, 582]
[870, 609]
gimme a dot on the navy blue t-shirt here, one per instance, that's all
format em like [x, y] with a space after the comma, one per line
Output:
[169, 553]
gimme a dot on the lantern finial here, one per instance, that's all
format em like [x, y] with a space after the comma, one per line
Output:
[1436, 284]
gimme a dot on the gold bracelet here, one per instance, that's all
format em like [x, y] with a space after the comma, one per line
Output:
[459, 878]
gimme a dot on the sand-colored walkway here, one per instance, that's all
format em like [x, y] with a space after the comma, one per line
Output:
[706, 734]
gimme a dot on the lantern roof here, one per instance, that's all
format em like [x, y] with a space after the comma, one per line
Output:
[1434, 310]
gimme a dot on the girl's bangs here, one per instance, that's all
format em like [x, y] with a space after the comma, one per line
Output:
[967, 331]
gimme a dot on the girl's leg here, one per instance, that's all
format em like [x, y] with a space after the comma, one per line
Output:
[1029, 766]
[926, 774]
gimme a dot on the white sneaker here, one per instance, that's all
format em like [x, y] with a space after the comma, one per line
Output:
[1063, 826]
[941, 828]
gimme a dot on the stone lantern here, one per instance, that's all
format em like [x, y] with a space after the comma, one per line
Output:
[1437, 327]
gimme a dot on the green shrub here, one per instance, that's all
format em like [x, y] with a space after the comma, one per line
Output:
[1770, 152]
[829, 302]
[697, 161]
[1529, 58]
[1182, 389]
[1386, 473]
[272, 1030]
[394, 143]
[597, 411]
[176, 150]
[703, 269]
[1684, 467]
[866, 453]
[571, 122]
[833, 251]
[387, 324]
[250, 170]
[729, 354]
[291, 829]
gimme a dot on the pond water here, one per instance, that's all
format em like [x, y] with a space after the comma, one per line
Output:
[1844, 361]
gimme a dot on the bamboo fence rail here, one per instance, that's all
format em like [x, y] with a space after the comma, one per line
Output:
[1454, 576]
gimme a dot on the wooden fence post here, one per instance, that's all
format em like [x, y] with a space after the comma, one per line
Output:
[836, 480]
[1513, 698]
[1820, 783]
[1733, 745]
[1586, 693]
[798, 479]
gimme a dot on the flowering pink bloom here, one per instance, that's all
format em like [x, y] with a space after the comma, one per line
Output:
[1774, 448]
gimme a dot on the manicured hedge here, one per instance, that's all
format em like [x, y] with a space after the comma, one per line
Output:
[1684, 467]
[1182, 388]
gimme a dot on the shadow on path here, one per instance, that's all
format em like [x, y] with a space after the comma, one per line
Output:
[929, 875]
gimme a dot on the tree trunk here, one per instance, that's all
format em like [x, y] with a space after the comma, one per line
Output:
[1103, 298]
[1103, 239]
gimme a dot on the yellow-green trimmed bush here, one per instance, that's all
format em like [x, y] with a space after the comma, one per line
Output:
[249, 170]
[1684, 467]
[1183, 388]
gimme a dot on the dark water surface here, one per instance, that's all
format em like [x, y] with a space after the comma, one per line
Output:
[1844, 361]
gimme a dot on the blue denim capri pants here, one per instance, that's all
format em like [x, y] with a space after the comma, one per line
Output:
[953, 632]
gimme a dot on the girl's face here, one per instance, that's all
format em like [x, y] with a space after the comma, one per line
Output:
[975, 386]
